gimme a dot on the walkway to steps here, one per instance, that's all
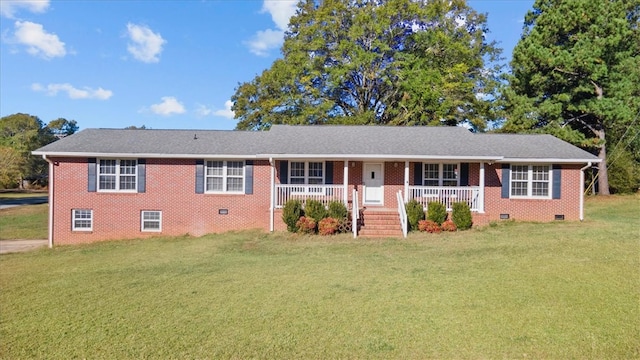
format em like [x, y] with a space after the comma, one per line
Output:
[379, 222]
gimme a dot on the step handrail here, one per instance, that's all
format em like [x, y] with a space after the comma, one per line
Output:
[402, 213]
[355, 213]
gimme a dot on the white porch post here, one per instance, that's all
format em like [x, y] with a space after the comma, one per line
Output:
[272, 163]
[406, 182]
[481, 193]
[345, 183]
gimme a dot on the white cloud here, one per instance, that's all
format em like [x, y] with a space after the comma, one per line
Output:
[203, 111]
[9, 8]
[265, 40]
[226, 112]
[38, 41]
[169, 106]
[73, 92]
[145, 45]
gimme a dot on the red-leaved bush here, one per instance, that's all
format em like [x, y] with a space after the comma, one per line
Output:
[448, 225]
[429, 226]
[306, 225]
[328, 226]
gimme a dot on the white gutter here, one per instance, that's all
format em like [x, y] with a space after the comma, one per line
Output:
[50, 202]
[147, 155]
[547, 160]
[582, 189]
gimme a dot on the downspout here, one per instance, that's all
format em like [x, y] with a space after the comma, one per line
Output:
[51, 202]
[582, 189]
[272, 196]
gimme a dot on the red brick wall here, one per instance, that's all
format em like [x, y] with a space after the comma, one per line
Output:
[531, 209]
[170, 188]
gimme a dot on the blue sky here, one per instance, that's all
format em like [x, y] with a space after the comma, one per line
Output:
[162, 64]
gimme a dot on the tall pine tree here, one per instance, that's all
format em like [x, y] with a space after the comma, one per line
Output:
[576, 74]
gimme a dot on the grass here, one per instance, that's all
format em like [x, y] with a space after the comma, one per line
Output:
[512, 290]
[18, 194]
[24, 222]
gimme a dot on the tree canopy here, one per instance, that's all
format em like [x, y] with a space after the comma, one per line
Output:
[395, 62]
[19, 135]
[576, 75]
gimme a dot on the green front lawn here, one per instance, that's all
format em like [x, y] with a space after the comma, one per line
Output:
[513, 290]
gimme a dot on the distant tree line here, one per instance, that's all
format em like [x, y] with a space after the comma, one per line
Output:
[19, 135]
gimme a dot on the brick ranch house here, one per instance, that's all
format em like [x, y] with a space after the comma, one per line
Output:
[116, 184]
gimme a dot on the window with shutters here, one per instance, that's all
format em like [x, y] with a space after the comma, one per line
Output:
[440, 174]
[224, 176]
[117, 175]
[530, 181]
[306, 172]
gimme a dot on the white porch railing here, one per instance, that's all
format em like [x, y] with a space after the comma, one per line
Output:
[402, 213]
[446, 195]
[323, 193]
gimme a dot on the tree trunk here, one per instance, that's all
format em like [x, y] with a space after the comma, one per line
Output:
[603, 175]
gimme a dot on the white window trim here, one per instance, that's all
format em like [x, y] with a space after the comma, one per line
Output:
[117, 175]
[224, 177]
[73, 220]
[142, 228]
[530, 182]
[306, 172]
[441, 173]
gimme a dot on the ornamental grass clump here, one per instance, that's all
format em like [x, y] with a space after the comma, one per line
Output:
[415, 213]
[291, 213]
[436, 212]
[461, 215]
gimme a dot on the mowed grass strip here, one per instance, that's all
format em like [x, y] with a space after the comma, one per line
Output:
[512, 290]
[24, 222]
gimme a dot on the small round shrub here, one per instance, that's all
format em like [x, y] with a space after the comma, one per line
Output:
[449, 226]
[436, 212]
[461, 215]
[429, 226]
[315, 210]
[306, 225]
[415, 213]
[291, 213]
[337, 210]
[328, 226]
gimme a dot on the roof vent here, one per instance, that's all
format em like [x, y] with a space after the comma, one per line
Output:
[195, 136]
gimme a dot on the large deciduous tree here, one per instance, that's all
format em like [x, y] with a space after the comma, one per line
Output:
[397, 62]
[19, 135]
[576, 75]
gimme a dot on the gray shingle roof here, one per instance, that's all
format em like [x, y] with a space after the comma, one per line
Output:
[330, 141]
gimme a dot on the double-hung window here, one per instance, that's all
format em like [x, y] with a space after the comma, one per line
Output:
[530, 181]
[151, 221]
[225, 176]
[117, 175]
[440, 174]
[306, 172]
[82, 220]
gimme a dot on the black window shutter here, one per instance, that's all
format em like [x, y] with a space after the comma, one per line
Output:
[199, 176]
[248, 177]
[328, 176]
[91, 175]
[464, 174]
[142, 175]
[284, 172]
[417, 174]
[506, 172]
[557, 181]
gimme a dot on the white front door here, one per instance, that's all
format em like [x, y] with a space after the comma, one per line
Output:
[373, 184]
